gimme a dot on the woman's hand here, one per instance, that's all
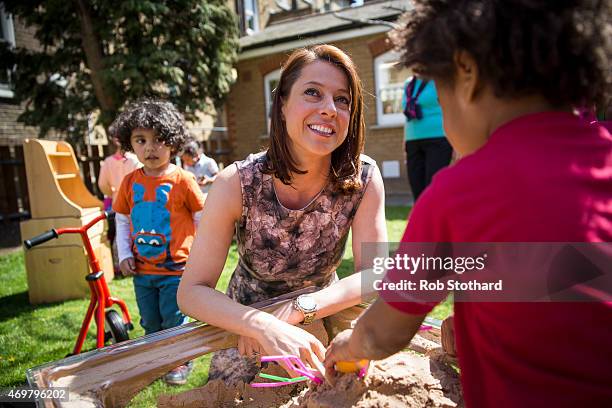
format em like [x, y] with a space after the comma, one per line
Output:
[249, 347]
[288, 313]
[279, 338]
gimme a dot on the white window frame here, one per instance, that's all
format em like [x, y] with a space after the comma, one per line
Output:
[268, 78]
[8, 35]
[385, 119]
[251, 11]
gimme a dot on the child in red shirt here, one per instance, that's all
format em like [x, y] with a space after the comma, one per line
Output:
[157, 211]
[507, 74]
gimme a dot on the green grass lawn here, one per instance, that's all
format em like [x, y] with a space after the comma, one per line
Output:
[31, 335]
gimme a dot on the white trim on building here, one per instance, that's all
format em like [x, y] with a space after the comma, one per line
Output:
[321, 39]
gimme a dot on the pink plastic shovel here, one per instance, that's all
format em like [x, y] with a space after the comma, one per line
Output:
[292, 361]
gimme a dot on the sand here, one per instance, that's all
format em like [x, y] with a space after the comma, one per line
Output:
[217, 394]
[402, 380]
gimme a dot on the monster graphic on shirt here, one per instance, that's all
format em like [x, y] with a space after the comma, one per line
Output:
[151, 225]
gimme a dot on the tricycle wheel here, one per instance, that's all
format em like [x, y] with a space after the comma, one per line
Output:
[116, 331]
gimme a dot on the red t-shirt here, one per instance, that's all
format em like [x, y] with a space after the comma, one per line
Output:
[161, 214]
[544, 177]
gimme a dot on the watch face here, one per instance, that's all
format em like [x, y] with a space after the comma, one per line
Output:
[306, 303]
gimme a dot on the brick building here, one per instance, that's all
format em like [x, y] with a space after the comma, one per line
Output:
[267, 41]
[271, 30]
[11, 131]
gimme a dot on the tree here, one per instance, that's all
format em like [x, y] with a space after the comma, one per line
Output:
[96, 55]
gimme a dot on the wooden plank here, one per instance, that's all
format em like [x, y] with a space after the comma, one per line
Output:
[112, 376]
[56, 273]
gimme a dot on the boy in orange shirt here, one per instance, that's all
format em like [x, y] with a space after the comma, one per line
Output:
[158, 208]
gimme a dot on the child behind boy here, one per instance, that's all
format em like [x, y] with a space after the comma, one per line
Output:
[114, 168]
[157, 210]
[203, 167]
[507, 74]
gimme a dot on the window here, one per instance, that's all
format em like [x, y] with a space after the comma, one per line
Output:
[270, 83]
[7, 34]
[251, 20]
[390, 77]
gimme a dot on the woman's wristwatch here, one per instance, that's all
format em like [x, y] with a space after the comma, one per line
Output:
[308, 306]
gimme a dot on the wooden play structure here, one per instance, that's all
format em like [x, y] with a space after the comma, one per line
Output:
[58, 198]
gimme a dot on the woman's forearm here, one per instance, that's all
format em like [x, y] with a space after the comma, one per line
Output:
[215, 308]
[339, 296]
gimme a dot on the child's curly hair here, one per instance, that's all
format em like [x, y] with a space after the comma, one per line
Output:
[560, 49]
[161, 116]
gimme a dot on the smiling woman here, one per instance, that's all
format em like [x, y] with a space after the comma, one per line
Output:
[321, 91]
[291, 208]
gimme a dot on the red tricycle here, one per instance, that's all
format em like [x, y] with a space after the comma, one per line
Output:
[109, 323]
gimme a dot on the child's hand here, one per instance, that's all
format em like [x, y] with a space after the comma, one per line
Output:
[128, 267]
[339, 350]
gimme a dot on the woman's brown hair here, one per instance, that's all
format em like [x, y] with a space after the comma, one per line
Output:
[345, 163]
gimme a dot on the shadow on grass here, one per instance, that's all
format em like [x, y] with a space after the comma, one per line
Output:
[14, 305]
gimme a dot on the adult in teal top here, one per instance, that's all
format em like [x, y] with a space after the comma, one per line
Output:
[427, 149]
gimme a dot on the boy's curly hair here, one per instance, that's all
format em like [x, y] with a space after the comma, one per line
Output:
[560, 49]
[161, 116]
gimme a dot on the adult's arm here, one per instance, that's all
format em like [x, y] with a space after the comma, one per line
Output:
[197, 296]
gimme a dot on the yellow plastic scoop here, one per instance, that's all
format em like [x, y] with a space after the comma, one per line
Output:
[351, 366]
